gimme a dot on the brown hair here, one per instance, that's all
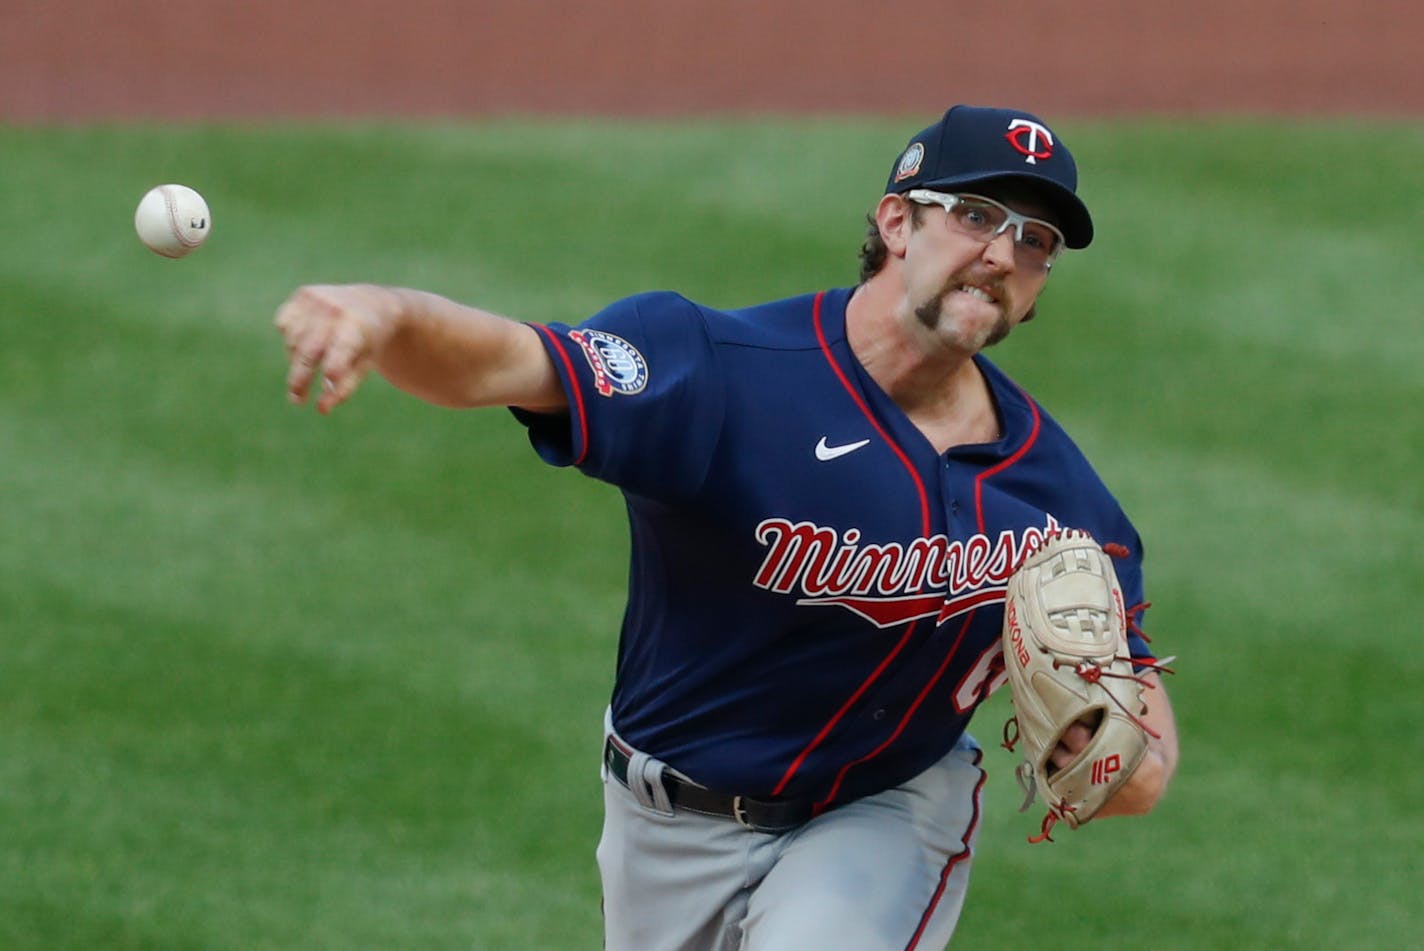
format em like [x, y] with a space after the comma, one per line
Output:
[873, 250]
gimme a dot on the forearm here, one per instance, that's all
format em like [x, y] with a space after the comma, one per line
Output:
[444, 352]
[451, 354]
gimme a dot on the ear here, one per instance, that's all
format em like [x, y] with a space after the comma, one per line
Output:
[893, 216]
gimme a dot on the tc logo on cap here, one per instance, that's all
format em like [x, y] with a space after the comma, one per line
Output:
[1031, 139]
[910, 162]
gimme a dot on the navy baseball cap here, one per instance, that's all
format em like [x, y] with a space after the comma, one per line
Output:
[973, 145]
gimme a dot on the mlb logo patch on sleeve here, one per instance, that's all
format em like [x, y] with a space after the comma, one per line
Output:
[617, 365]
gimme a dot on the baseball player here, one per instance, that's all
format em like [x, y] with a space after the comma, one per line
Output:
[827, 496]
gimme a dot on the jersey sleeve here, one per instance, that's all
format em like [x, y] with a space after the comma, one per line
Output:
[646, 402]
[1096, 510]
[1129, 576]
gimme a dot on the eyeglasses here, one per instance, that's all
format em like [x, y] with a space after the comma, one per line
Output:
[1036, 242]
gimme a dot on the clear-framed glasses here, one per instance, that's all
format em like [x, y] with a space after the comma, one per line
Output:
[1037, 243]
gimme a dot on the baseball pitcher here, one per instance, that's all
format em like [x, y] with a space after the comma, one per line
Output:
[848, 528]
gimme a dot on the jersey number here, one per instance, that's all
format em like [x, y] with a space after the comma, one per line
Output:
[986, 676]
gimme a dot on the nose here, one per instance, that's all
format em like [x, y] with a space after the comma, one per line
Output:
[999, 252]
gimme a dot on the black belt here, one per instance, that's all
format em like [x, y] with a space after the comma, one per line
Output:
[758, 815]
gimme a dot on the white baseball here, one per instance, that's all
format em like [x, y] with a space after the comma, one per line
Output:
[173, 220]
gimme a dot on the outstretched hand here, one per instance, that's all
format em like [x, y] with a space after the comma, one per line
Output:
[338, 330]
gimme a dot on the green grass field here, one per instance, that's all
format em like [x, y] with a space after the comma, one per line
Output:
[270, 680]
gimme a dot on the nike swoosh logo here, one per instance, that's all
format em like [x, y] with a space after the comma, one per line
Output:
[827, 453]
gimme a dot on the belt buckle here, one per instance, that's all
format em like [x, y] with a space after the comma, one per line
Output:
[739, 813]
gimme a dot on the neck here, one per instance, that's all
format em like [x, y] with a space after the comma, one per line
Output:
[902, 355]
[938, 387]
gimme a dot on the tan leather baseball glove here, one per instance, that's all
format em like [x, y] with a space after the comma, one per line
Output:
[1065, 649]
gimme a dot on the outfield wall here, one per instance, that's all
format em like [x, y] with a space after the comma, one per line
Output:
[86, 59]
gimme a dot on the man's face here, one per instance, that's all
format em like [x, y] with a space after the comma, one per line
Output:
[968, 293]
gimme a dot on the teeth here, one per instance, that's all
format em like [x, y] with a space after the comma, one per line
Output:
[977, 292]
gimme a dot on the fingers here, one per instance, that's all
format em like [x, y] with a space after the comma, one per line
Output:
[298, 320]
[1070, 744]
[343, 368]
[301, 369]
[323, 333]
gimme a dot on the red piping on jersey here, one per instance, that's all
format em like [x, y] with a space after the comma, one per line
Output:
[579, 411]
[865, 410]
[845, 707]
[904, 720]
[954, 861]
[1018, 454]
[924, 530]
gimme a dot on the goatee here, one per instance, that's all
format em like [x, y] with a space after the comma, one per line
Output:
[931, 313]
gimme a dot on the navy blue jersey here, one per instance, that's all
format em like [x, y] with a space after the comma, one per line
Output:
[816, 594]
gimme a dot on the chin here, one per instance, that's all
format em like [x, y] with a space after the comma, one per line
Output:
[997, 335]
[964, 334]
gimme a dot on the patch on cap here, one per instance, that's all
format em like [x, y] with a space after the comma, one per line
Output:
[909, 162]
[1030, 139]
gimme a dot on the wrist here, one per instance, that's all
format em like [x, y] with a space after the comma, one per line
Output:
[1142, 790]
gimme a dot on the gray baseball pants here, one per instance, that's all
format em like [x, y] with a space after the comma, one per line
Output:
[885, 872]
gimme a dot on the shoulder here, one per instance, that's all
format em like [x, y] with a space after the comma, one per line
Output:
[1040, 449]
[788, 324]
[653, 322]
[652, 308]
[1028, 424]
[791, 324]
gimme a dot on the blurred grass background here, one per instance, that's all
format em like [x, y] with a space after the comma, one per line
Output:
[269, 680]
